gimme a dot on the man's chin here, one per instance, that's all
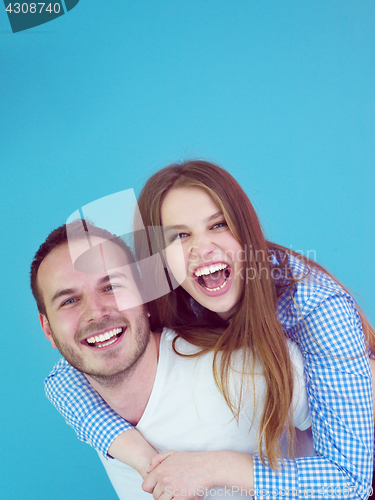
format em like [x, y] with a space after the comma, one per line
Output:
[88, 365]
[110, 366]
[106, 370]
[108, 379]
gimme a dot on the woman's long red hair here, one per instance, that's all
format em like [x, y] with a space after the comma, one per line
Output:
[255, 327]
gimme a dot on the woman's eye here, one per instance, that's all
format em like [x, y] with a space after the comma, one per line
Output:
[177, 236]
[219, 224]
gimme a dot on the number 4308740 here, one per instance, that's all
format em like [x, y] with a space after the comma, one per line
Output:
[33, 8]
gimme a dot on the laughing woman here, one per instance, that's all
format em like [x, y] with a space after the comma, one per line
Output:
[243, 292]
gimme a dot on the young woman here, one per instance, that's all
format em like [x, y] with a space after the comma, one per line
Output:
[242, 291]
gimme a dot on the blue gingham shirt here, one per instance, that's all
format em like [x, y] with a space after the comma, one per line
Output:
[321, 317]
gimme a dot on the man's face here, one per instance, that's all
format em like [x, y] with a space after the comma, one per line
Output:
[83, 319]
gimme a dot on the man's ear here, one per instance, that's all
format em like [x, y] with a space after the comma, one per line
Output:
[46, 328]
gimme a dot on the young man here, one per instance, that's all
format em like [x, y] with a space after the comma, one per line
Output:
[98, 321]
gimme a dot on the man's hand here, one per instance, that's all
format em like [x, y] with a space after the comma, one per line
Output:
[177, 474]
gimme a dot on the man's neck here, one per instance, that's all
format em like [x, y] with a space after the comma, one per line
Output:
[130, 396]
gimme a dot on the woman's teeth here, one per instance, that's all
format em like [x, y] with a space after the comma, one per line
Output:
[205, 270]
[209, 276]
[217, 288]
[105, 336]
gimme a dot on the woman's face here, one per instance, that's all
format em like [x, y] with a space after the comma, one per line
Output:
[211, 257]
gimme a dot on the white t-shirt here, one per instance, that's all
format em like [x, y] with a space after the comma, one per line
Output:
[187, 412]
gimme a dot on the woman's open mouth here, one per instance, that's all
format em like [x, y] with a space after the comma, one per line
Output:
[213, 277]
[105, 339]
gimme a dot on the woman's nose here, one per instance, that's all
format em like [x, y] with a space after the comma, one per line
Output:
[202, 247]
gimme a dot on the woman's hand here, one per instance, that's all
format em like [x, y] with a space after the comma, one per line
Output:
[177, 474]
[189, 475]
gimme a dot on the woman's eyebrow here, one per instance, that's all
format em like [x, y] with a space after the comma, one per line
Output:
[184, 226]
[214, 216]
[176, 226]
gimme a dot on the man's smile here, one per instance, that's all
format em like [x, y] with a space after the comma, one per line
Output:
[104, 339]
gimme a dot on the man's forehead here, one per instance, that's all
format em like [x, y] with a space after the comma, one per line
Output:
[103, 256]
[104, 261]
[99, 256]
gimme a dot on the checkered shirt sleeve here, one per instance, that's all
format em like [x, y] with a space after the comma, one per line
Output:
[83, 408]
[321, 317]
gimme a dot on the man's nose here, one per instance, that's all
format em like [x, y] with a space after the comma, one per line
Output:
[95, 308]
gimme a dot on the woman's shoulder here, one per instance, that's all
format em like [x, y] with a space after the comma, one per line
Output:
[310, 287]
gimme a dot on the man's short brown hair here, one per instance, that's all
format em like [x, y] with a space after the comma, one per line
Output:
[59, 237]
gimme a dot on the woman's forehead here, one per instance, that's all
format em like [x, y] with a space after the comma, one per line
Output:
[186, 203]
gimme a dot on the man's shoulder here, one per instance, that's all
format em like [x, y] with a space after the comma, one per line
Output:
[182, 346]
[168, 334]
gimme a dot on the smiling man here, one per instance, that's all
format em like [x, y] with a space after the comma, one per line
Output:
[93, 311]
[81, 316]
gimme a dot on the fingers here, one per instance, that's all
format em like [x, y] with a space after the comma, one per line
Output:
[162, 494]
[149, 484]
[158, 459]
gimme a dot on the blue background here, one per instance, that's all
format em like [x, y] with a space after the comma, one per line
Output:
[281, 93]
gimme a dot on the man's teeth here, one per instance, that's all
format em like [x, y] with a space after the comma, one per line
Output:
[205, 270]
[105, 336]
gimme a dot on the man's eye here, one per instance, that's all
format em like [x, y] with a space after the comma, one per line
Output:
[68, 302]
[109, 288]
[115, 286]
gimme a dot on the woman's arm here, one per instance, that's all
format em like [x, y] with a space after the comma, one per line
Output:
[372, 366]
[132, 449]
[338, 379]
[93, 420]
